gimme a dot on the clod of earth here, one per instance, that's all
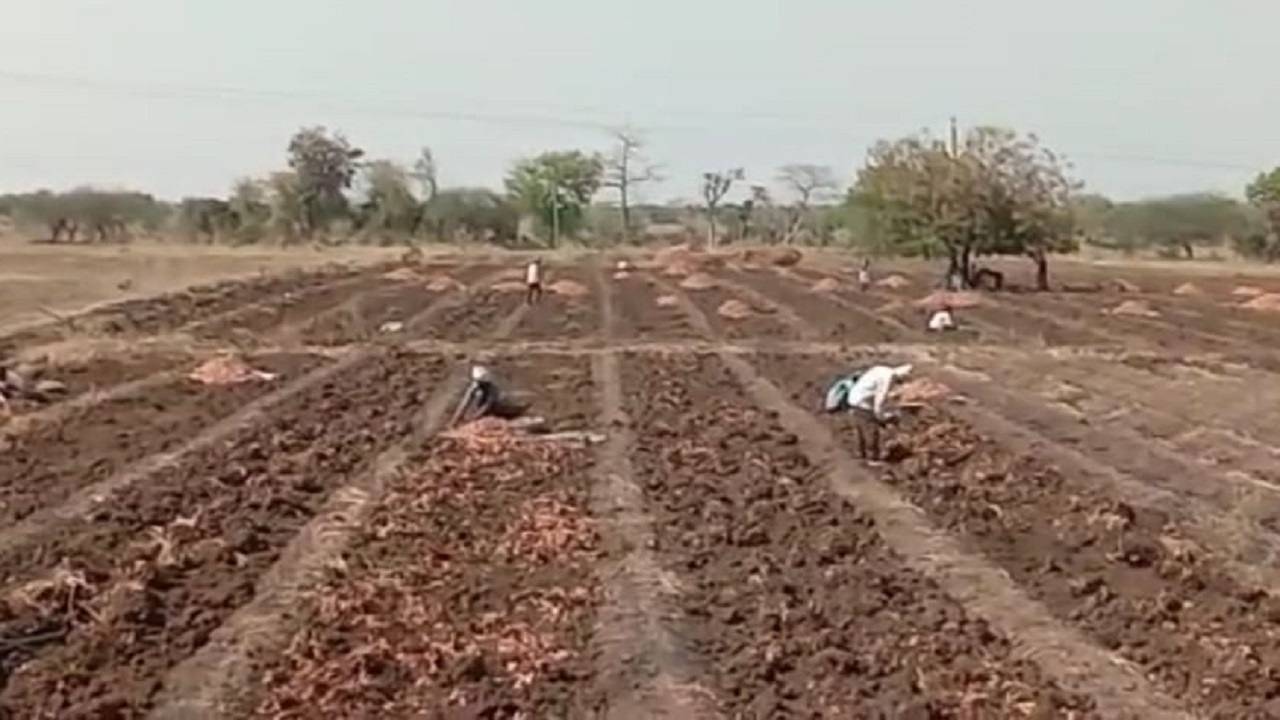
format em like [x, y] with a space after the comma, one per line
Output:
[1247, 291]
[1135, 308]
[1269, 302]
[621, 275]
[786, 257]
[698, 281]
[569, 288]
[893, 282]
[734, 310]
[1188, 289]
[667, 301]
[391, 326]
[227, 370]
[1124, 286]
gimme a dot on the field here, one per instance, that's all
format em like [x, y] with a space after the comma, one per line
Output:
[1080, 520]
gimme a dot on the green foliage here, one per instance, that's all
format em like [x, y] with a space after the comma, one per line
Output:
[1178, 224]
[999, 193]
[390, 205]
[87, 214]
[556, 187]
[459, 214]
[325, 165]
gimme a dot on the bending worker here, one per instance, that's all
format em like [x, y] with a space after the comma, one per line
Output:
[484, 399]
[866, 395]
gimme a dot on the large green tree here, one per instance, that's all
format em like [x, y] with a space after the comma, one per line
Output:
[1264, 194]
[998, 192]
[556, 188]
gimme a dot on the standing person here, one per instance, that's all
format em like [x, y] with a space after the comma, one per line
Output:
[533, 281]
[864, 274]
[867, 398]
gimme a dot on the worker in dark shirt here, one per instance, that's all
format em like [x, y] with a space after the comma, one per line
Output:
[483, 398]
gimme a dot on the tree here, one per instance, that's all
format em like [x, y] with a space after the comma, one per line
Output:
[288, 211]
[249, 209]
[626, 168]
[807, 183]
[1264, 194]
[325, 165]
[758, 201]
[998, 193]
[715, 185]
[478, 213]
[1178, 224]
[556, 187]
[390, 205]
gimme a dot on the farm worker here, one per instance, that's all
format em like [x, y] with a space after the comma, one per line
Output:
[533, 281]
[484, 399]
[864, 274]
[942, 320]
[865, 394]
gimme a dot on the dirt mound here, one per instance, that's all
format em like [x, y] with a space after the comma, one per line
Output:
[403, 274]
[1124, 286]
[894, 282]
[569, 288]
[918, 391]
[621, 275]
[668, 301]
[698, 281]
[1188, 289]
[1268, 301]
[785, 257]
[506, 286]
[679, 268]
[949, 298]
[1247, 291]
[444, 283]
[1135, 308]
[734, 310]
[227, 370]
[826, 285]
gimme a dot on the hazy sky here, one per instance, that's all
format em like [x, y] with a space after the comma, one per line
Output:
[182, 96]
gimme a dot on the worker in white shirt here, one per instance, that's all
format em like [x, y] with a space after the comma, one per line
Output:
[866, 395]
[864, 274]
[942, 320]
[533, 281]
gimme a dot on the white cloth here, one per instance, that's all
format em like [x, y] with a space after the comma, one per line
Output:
[872, 388]
[479, 373]
[533, 273]
[941, 320]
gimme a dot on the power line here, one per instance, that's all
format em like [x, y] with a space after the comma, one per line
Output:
[251, 95]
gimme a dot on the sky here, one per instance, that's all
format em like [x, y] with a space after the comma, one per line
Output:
[182, 97]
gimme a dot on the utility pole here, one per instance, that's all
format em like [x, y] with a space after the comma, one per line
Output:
[955, 138]
[555, 214]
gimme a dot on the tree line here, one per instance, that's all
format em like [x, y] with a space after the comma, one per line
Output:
[992, 191]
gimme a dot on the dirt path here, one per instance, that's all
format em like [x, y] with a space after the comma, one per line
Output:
[644, 667]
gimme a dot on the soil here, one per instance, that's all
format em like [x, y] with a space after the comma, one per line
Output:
[791, 596]
[496, 622]
[563, 317]
[832, 323]
[98, 374]
[472, 319]
[45, 465]
[1123, 573]
[166, 562]
[763, 324]
[638, 316]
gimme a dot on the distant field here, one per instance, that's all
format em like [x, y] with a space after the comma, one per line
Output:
[34, 278]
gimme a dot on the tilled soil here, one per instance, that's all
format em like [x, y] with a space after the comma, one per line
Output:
[361, 318]
[98, 374]
[44, 465]
[763, 323]
[833, 322]
[474, 317]
[143, 582]
[163, 313]
[288, 311]
[563, 317]
[793, 600]
[638, 315]
[471, 592]
[1123, 574]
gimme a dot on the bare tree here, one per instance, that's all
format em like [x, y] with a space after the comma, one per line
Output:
[758, 201]
[424, 172]
[626, 168]
[715, 185]
[808, 183]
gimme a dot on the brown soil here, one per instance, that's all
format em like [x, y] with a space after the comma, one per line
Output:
[166, 562]
[637, 315]
[361, 318]
[44, 466]
[794, 600]
[832, 322]
[473, 317]
[495, 624]
[1123, 573]
[563, 315]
